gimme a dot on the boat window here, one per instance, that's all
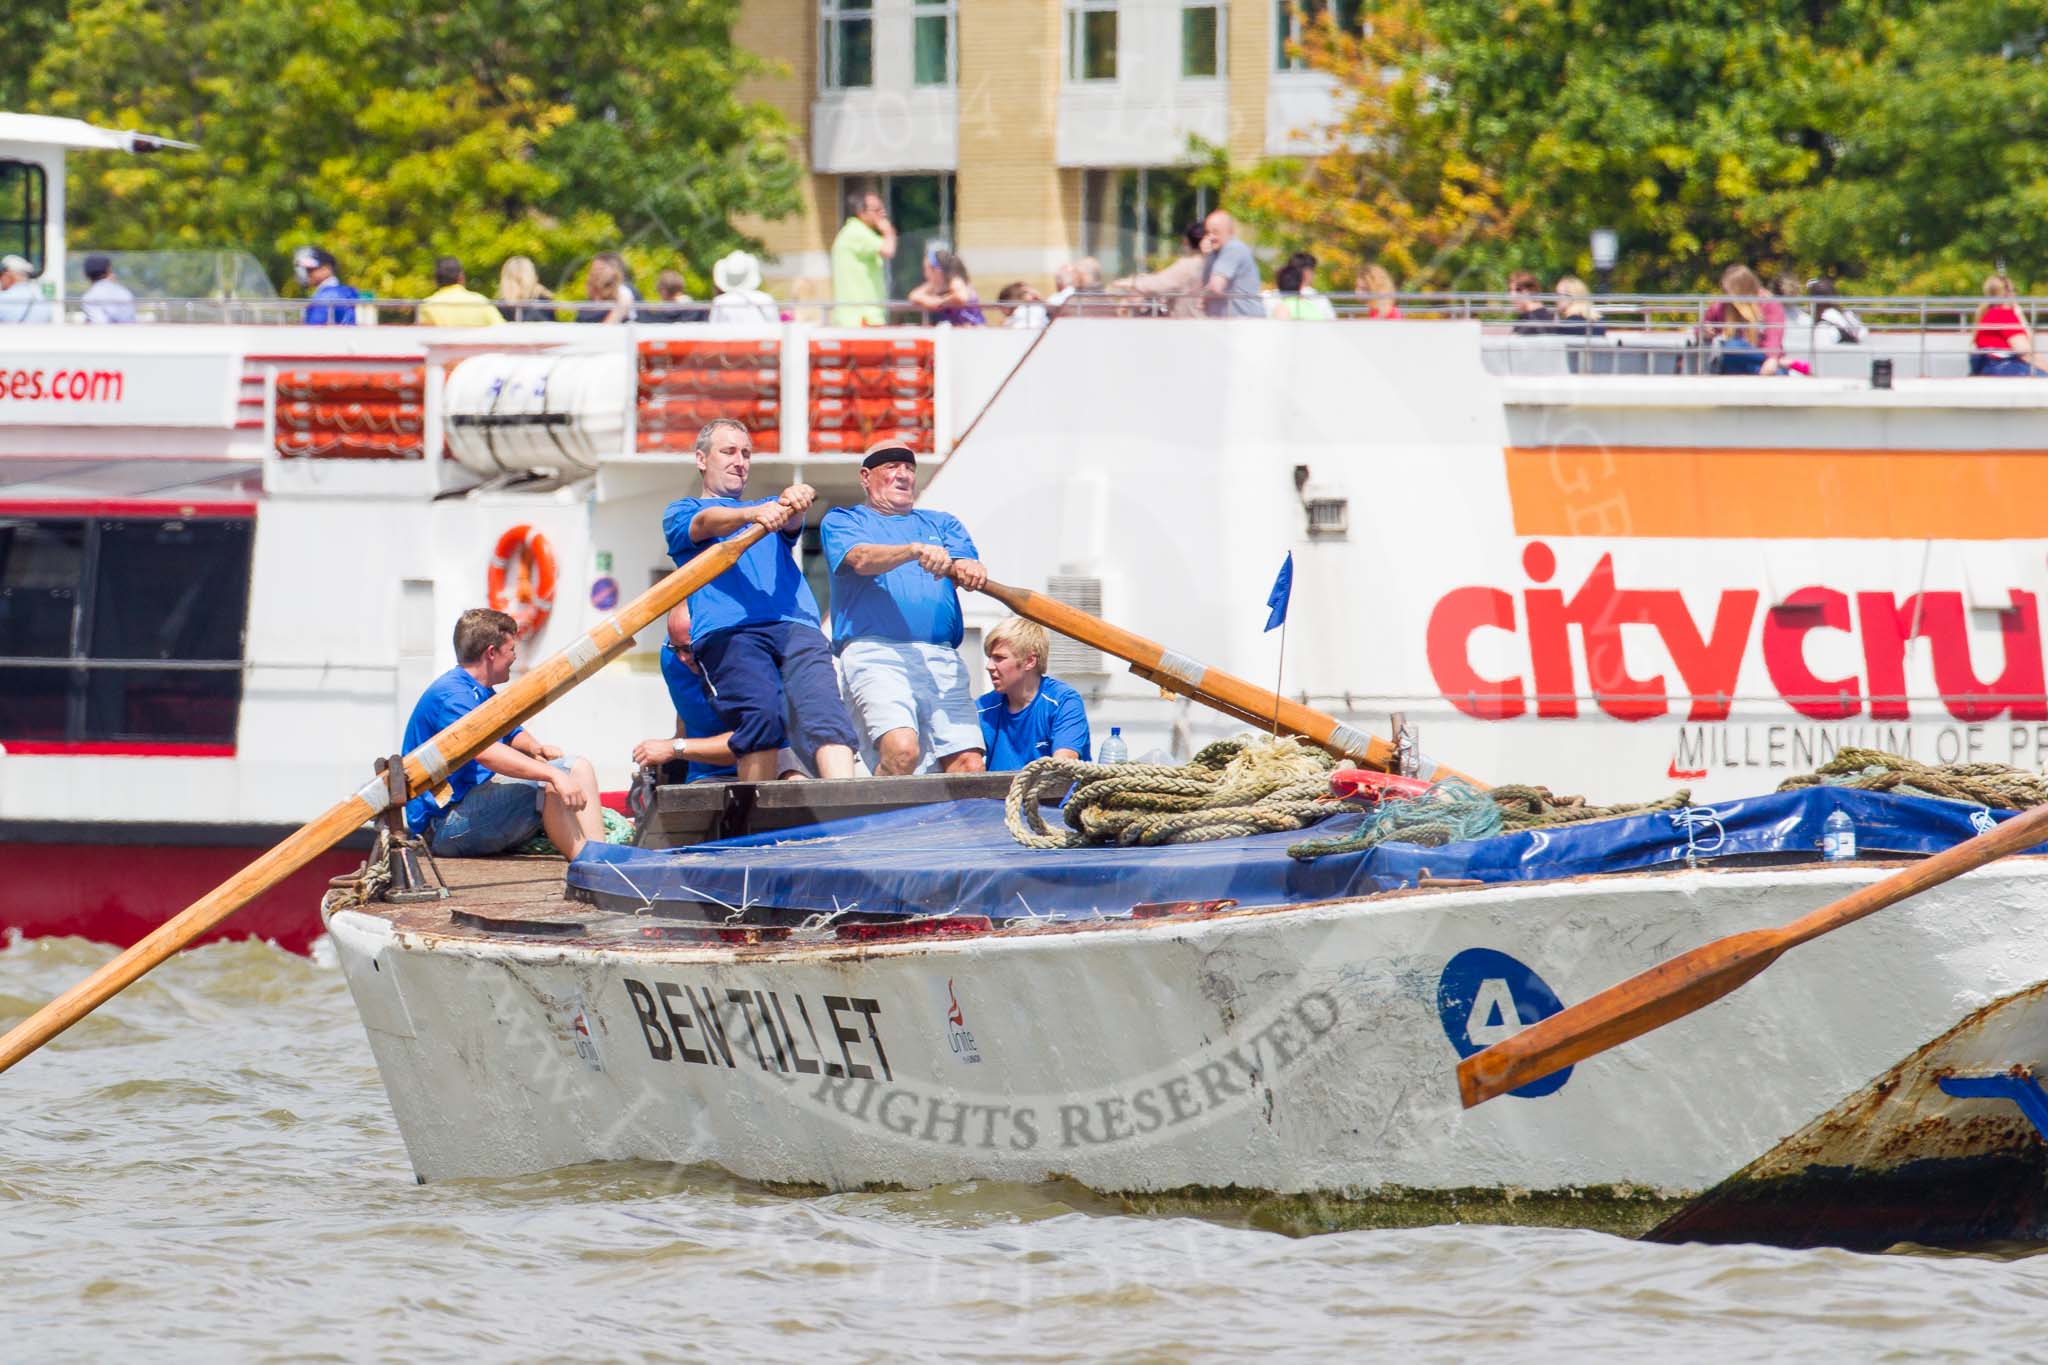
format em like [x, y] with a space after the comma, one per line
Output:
[23, 195]
[148, 615]
[42, 567]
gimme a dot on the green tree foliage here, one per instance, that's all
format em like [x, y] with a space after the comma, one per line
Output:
[1942, 168]
[1401, 186]
[1897, 143]
[393, 131]
[26, 28]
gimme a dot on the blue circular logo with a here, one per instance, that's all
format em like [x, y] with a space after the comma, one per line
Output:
[1485, 996]
[604, 593]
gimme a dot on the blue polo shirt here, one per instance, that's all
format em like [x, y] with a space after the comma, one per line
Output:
[1055, 719]
[766, 586]
[447, 699]
[333, 305]
[699, 716]
[906, 603]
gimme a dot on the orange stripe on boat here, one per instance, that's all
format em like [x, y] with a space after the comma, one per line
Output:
[1778, 494]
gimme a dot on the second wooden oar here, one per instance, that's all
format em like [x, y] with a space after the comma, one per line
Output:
[1671, 990]
[1231, 695]
[426, 766]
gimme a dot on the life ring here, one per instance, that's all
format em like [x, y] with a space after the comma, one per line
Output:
[533, 589]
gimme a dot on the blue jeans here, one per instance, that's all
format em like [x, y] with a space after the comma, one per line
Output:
[497, 815]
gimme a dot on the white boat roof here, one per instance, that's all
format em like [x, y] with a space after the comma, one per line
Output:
[45, 131]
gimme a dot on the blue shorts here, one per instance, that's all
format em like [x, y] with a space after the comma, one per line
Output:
[496, 815]
[758, 669]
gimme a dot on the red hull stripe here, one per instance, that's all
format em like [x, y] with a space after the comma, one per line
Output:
[122, 507]
[27, 748]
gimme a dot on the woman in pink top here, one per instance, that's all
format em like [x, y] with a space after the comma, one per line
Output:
[2002, 345]
[1747, 328]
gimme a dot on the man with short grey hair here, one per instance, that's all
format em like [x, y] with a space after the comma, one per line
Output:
[1230, 283]
[20, 299]
[755, 627]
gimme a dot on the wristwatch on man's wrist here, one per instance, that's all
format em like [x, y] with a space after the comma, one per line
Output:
[679, 748]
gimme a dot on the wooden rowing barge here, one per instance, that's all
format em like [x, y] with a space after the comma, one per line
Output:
[1290, 1056]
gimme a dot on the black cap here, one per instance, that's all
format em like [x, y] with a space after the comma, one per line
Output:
[888, 450]
[98, 267]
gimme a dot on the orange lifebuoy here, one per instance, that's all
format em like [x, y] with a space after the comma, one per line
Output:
[533, 589]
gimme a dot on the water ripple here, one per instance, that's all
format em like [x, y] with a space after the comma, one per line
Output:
[208, 1168]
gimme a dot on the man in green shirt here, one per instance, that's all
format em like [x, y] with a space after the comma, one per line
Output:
[860, 253]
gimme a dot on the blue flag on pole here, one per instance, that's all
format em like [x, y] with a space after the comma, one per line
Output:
[1283, 588]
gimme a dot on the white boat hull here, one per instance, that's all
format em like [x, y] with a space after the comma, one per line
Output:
[1304, 1052]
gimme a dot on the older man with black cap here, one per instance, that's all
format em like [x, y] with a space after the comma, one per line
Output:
[896, 622]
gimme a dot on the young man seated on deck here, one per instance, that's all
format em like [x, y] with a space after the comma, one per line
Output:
[515, 788]
[754, 628]
[1028, 715]
[896, 619]
[701, 741]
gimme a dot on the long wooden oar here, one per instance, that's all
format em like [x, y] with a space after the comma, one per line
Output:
[1231, 695]
[426, 766]
[1671, 990]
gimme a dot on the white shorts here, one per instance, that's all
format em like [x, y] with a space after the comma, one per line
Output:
[913, 686]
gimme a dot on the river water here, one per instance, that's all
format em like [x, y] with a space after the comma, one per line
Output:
[207, 1168]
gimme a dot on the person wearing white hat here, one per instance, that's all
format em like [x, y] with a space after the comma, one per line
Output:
[740, 298]
[20, 300]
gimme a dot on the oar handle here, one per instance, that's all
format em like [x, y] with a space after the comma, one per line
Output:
[426, 766]
[1192, 678]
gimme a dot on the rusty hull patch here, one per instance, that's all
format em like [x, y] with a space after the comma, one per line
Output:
[1899, 1161]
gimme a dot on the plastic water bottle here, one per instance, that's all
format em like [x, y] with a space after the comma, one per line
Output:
[1113, 749]
[1838, 838]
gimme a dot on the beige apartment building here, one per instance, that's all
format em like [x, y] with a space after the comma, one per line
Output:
[1024, 132]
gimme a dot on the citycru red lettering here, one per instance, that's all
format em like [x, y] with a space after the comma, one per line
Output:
[61, 386]
[1709, 660]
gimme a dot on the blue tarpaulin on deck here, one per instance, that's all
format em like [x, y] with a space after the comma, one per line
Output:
[959, 857]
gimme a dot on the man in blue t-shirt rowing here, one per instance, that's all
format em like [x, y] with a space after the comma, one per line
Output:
[515, 788]
[1028, 715]
[754, 628]
[896, 622]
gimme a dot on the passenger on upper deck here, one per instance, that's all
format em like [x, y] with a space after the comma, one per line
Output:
[455, 304]
[513, 789]
[20, 300]
[105, 298]
[1028, 715]
[1532, 314]
[1230, 277]
[1747, 328]
[755, 627]
[333, 302]
[860, 262]
[2002, 346]
[1178, 286]
[896, 618]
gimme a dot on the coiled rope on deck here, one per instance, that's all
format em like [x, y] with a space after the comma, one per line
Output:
[1986, 784]
[1256, 785]
[1452, 811]
[1234, 787]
